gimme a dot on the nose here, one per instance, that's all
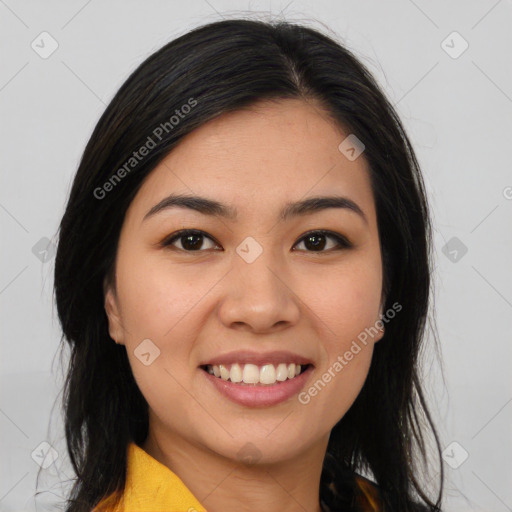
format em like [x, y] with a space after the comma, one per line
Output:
[258, 297]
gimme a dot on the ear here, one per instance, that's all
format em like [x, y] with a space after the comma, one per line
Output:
[115, 325]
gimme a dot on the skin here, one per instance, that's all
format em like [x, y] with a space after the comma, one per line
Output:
[195, 305]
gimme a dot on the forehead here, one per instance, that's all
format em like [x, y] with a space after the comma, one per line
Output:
[258, 158]
[293, 129]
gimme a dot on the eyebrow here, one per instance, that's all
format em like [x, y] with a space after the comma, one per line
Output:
[214, 208]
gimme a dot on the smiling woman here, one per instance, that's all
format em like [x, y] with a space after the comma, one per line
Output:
[245, 308]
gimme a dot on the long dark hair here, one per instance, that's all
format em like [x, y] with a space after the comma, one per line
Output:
[213, 69]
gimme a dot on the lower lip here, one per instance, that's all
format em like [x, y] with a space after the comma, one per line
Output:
[260, 395]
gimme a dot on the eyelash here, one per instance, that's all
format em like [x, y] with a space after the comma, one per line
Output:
[343, 243]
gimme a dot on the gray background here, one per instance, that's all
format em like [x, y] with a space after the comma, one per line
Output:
[457, 111]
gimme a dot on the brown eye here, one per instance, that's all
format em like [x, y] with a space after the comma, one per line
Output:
[191, 240]
[316, 241]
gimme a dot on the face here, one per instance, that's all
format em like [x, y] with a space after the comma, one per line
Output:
[254, 283]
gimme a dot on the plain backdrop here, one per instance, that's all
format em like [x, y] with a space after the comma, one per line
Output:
[447, 68]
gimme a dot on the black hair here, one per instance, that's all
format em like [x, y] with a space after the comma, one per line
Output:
[213, 69]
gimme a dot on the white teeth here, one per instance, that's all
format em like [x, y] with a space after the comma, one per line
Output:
[252, 374]
[268, 374]
[282, 372]
[224, 372]
[235, 375]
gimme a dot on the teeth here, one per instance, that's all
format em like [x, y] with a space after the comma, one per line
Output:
[235, 375]
[224, 372]
[268, 374]
[282, 372]
[252, 374]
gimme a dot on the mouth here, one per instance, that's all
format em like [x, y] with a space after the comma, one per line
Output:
[258, 385]
[256, 375]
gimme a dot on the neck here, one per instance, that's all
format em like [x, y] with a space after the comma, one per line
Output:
[222, 484]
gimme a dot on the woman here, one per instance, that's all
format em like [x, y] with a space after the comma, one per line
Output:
[243, 275]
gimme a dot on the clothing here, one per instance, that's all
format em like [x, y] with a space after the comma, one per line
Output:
[153, 487]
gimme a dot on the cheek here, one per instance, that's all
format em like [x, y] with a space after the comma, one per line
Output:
[346, 309]
[157, 297]
[158, 305]
[338, 385]
[346, 301]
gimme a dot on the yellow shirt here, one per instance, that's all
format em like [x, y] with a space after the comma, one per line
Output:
[153, 487]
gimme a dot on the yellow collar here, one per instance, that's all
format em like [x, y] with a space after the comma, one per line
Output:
[151, 487]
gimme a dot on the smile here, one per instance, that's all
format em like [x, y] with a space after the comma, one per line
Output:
[267, 374]
[258, 394]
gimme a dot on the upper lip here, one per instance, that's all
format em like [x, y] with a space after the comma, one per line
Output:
[257, 358]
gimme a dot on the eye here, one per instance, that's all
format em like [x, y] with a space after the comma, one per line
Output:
[191, 240]
[317, 241]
